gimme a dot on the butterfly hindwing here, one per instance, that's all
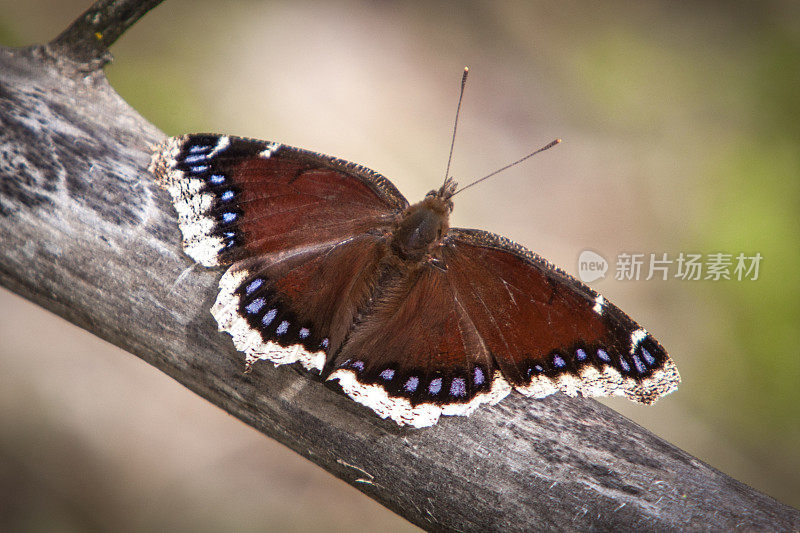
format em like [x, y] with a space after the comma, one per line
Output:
[415, 354]
[298, 305]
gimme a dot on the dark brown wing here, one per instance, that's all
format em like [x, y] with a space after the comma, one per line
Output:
[444, 337]
[304, 232]
[298, 305]
[416, 355]
[237, 198]
[546, 330]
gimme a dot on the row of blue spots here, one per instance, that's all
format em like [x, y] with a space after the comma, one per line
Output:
[198, 159]
[641, 367]
[225, 196]
[559, 362]
[199, 154]
[581, 356]
[198, 162]
[257, 304]
[458, 386]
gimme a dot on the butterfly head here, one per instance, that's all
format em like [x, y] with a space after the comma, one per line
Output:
[445, 192]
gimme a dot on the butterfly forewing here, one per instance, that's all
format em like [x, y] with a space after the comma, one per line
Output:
[238, 197]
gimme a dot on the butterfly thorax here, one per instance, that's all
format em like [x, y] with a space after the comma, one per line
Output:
[421, 228]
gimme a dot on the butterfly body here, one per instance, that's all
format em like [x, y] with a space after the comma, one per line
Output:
[421, 228]
[329, 266]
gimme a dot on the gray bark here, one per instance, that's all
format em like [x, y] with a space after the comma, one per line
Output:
[87, 234]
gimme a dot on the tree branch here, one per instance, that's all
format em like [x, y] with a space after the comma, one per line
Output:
[87, 39]
[88, 235]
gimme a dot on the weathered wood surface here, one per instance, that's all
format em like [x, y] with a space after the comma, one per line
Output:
[87, 234]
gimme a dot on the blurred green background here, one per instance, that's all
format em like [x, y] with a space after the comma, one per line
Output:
[681, 128]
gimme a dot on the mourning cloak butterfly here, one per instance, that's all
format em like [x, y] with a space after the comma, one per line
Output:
[330, 267]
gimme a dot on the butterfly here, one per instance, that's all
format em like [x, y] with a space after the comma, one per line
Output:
[329, 266]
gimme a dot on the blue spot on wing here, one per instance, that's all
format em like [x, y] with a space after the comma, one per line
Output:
[197, 148]
[638, 364]
[458, 387]
[269, 317]
[283, 327]
[648, 357]
[479, 378]
[255, 306]
[254, 285]
[191, 159]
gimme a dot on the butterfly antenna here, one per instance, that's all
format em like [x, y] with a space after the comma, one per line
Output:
[455, 125]
[517, 162]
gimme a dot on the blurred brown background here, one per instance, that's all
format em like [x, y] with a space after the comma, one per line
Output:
[681, 128]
